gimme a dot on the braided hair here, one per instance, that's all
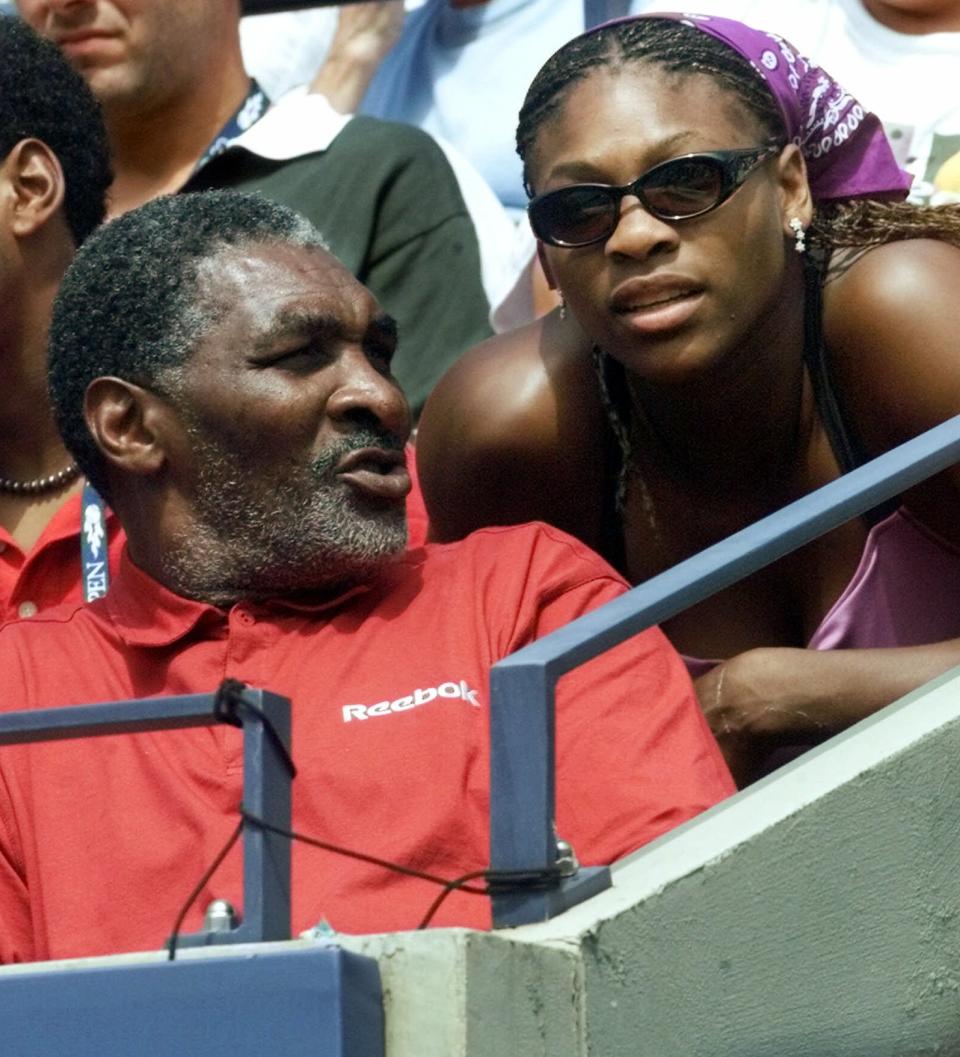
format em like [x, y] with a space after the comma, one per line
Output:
[681, 49]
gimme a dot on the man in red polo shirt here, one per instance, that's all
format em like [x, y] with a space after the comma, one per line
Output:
[225, 383]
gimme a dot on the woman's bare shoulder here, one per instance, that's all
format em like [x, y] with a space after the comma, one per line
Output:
[494, 443]
[891, 318]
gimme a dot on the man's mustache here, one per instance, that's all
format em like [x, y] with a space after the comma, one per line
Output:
[327, 461]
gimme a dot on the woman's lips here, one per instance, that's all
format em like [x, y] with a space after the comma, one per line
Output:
[655, 306]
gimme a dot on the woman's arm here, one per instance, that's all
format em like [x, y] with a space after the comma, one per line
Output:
[892, 329]
[778, 696]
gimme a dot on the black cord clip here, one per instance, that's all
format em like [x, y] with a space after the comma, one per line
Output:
[503, 882]
[229, 704]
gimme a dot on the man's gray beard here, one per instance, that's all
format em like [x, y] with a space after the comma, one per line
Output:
[255, 539]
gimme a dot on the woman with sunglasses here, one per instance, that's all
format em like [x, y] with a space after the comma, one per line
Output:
[750, 310]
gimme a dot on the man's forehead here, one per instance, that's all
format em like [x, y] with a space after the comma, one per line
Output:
[273, 279]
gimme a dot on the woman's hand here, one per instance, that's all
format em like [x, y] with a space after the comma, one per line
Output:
[761, 699]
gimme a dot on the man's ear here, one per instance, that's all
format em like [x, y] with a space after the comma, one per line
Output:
[34, 185]
[128, 425]
[793, 189]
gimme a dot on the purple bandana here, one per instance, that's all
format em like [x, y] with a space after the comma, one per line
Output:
[845, 148]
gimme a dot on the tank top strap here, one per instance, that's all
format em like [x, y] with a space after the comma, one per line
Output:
[847, 449]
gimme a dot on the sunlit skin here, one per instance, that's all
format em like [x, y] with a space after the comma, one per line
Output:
[725, 426]
[35, 249]
[133, 50]
[168, 76]
[724, 301]
[301, 358]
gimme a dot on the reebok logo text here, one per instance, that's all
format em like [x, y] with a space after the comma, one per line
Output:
[451, 691]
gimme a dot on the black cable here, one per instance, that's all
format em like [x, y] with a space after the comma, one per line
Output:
[496, 881]
[337, 849]
[208, 873]
[228, 703]
[459, 884]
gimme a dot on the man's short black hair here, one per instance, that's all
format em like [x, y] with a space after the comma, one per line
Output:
[132, 304]
[43, 97]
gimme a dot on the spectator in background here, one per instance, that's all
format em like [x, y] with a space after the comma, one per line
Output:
[183, 115]
[226, 383]
[706, 373]
[457, 69]
[901, 58]
[54, 174]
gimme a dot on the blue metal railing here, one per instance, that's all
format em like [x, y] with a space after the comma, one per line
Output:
[522, 685]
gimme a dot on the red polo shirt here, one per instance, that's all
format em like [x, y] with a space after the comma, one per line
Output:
[49, 573]
[102, 839]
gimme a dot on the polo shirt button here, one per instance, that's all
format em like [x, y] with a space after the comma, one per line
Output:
[27, 609]
[246, 617]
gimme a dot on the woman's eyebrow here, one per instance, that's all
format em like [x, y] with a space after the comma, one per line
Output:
[662, 150]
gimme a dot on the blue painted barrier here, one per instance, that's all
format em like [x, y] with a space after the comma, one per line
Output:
[322, 1002]
[265, 719]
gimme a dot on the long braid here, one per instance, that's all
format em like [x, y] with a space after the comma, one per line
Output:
[866, 222]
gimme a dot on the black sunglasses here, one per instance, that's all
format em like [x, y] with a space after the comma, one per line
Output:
[678, 189]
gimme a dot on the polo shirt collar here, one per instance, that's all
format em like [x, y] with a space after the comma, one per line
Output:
[300, 123]
[145, 613]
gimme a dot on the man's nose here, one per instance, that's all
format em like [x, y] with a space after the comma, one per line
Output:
[363, 391]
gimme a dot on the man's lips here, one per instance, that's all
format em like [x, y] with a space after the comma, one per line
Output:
[378, 472]
[78, 41]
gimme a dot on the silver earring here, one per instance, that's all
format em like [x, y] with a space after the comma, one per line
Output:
[799, 235]
[563, 308]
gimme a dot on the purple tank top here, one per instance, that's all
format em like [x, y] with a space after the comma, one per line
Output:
[905, 592]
